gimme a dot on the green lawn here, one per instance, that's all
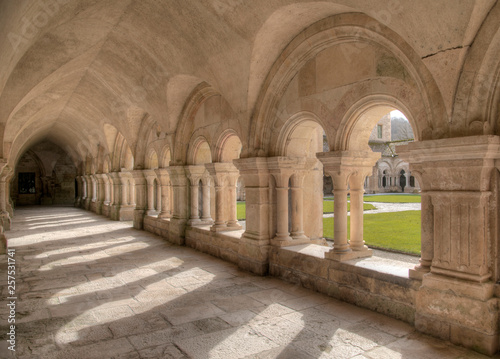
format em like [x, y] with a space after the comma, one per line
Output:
[407, 198]
[328, 206]
[396, 230]
[241, 210]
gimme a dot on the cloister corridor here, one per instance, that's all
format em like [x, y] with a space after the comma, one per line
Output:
[89, 287]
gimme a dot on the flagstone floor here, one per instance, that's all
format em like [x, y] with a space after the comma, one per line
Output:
[88, 287]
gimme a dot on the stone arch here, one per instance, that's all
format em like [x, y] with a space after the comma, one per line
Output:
[165, 157]
[277, 32]
[354, 27]
[200, 152]
[360, 118]
[228, 147]
[477, 98]
[301, 136]
[151, 159]
[185, 127]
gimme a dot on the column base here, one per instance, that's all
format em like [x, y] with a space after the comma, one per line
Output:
[289, 241]
[219, 227]
[151, 212]
[194, 222]
[234, 226]
[418, 272]
[461, 311]
[348, 255]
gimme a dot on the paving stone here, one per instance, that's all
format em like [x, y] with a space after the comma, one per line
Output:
[237, 303]
[168, 351]
[231, 343]
[164, 336]
[77, 301]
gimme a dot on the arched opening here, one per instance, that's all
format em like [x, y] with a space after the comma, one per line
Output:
[229, 149]
[45, 174]
[200, 189]
[397, 226]
[299, 187]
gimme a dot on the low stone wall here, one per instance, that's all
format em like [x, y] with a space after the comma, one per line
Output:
[224, 245]
[389, 294]
[106, 210]
[157, 226]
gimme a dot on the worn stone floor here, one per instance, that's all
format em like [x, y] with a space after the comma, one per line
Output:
[88, 287]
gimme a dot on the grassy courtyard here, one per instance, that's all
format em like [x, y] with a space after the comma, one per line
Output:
[393, 198]
[399, 231]
[327, 208]
[396, 230]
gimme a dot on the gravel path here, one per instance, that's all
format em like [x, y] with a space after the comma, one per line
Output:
[383, 207]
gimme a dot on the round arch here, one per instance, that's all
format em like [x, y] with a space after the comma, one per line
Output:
[338, 29]
[199, 152]
[228, 147]
[477, 99]
[151, 159]
[358, 121]
[301, 136]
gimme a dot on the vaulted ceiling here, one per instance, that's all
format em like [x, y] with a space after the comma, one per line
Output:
[69, 67]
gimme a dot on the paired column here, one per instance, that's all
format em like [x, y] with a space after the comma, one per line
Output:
[164, 178]
[199, 177]
[225, 176]
[348, 169]
[289, 175]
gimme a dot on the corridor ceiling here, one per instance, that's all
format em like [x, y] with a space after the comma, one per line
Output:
[70, 67]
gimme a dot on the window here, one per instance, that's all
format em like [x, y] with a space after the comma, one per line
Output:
[26, 182]
[379, 131]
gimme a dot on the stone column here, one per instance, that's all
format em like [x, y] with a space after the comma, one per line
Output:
[100, 192]
[254, 245]
[283, 169]
[180, 191]
[297, 207]
[156, 183]
[116, 195]
[205, 188]
[94, 188]
[138, 196]
[195, 175]
[85, 194]
[456, 301]
[4, 195]
[341, 165]
[79, 189]
[164, 178]
[150, 178]
[232, 215]
[356, 185]
[124, 195]
[107, 190]
[221, 174]
[90, 193]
